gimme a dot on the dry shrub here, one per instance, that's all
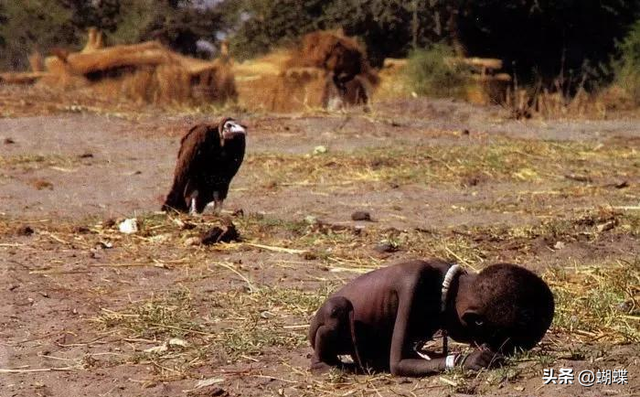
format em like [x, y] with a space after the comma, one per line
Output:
[617, 98]
[301, 78]
[257, 92]
[60, 76]
[299, 88]
[432, 75]
[145, 72]
[484, 90]
[295, 89]
[133, 85]
[331, 51]
[554, 104]
[394, 83]
[173, 84]
[223, 80]
[136, 85]
[269, 65]
[36, 62]
[627, 68]
[169, 84]
[438, 72]
[258, 81]
[343, 62]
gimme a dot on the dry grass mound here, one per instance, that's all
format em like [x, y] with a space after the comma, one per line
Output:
[146, 72]
[325, 65]
[333, 52]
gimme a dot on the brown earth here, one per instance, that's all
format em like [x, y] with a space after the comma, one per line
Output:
[83, 302]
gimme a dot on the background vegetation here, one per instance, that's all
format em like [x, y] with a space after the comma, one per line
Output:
[431, 75]
[628, 66]
[540, 41]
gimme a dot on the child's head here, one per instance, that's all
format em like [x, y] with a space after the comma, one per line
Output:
[512, 308]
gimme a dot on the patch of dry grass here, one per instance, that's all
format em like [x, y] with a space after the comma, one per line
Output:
[503, 160]
[177, 333]
[268, 318]
[36, 161]
[598, 303]
[172, 315]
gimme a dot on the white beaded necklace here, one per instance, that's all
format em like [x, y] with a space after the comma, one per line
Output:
[446, 283]
[451, 273]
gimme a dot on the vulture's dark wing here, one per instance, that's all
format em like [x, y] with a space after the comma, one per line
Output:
[191, 158]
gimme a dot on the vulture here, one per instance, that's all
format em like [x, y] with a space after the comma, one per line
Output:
[209, 157]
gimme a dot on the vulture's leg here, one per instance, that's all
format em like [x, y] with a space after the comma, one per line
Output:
[191, 197]
[218, 198]
[193, 206]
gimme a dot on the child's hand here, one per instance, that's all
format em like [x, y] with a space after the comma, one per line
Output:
[482, 358]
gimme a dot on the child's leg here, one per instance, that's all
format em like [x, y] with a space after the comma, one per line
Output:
[331, 334]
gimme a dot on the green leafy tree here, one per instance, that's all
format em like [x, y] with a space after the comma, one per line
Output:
[628, 65]
[390, 28]
[102, 14]
[3, 20]
[386, 27]
[537, 39]
[29, 25]
[264, 24]
[430, 74]
[131, 22]
[544, 39]
[180, 25]
[176, 23]
[34, 25]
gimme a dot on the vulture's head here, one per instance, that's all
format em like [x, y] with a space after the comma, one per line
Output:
[229, 129]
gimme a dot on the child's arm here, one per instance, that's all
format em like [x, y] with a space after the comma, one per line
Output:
[400, 366]
[477, 360]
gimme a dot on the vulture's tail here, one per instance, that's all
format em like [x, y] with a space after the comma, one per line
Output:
[174, 202]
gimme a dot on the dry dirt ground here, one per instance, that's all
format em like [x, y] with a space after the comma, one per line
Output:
[89, 311]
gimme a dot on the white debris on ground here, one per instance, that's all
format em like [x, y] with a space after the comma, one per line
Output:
[128, 226]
